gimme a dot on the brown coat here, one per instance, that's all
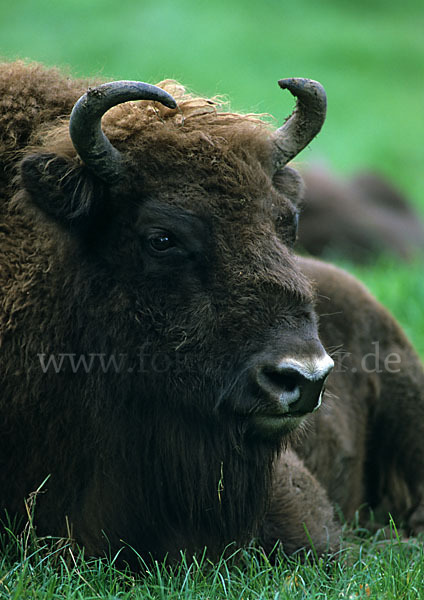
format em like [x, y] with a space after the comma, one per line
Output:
[140, 325]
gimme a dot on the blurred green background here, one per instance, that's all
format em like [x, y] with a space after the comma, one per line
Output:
[369, 55]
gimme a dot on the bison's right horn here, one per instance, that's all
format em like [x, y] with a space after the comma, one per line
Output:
[89, 141]
[305, 122]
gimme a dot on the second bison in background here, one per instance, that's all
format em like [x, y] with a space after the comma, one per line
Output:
[357, 218]
[161, 361]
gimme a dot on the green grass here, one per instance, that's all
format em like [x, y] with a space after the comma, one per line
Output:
[369, 54]
[374, 568]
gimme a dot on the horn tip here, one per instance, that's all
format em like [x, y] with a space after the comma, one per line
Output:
[299, 86]
[287, 82]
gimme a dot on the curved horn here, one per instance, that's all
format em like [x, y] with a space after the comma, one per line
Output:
[305, 121]
[89, 141]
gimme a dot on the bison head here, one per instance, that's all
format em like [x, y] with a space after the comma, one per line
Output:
[172, 247]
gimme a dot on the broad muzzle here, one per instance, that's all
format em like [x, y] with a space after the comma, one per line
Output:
[290, 389]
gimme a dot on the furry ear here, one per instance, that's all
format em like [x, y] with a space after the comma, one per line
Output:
[290, 183]
[63, 191]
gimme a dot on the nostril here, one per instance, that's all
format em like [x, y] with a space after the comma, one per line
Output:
[283, 387]
[281, 380]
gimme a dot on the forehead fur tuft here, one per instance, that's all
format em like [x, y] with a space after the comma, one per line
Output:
[198, 127]
[191, 112]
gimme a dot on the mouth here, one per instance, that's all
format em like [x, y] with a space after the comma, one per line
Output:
[272, 424]
[275, 425]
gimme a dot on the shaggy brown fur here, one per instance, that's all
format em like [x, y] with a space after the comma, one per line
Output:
[156, 445]
[357, 218]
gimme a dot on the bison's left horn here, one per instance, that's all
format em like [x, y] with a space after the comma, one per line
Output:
[304, 123]
[89, 141]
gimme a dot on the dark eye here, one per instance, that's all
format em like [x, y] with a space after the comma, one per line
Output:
[160, 242]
